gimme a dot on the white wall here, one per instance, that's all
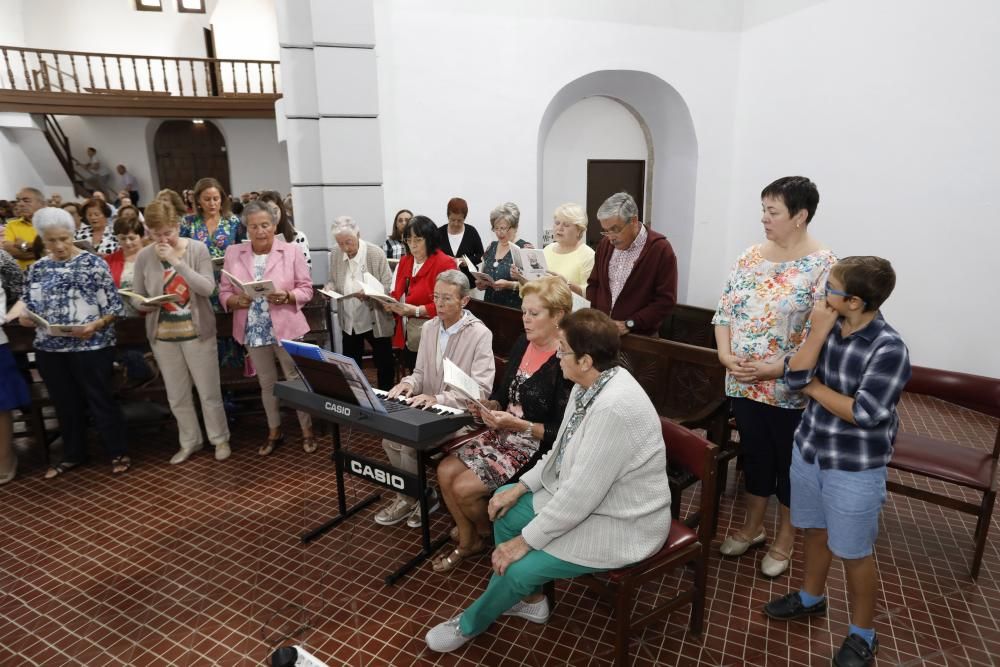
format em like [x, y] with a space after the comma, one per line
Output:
[895, 118]
[462, 94]
[26, 158]
[256, 160]
[595, 128]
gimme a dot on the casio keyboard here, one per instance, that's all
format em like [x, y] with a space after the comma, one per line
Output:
[420, 428]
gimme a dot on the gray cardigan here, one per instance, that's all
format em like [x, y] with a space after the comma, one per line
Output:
[196, 269]
[383, 324]
[610, 505]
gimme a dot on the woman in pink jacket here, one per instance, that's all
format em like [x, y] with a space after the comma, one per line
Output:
[261, 322]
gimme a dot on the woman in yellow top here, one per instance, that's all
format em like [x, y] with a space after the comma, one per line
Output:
[569, 256]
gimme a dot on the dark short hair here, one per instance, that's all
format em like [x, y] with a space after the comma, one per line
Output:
[797, 192]
[68, 204]
[458, 205]
[589, 331]
[104, 207]
[424, 227]
[867, 277]
[128, 226]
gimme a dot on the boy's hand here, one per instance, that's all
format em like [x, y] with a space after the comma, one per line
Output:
[811, 388]
[823, 317]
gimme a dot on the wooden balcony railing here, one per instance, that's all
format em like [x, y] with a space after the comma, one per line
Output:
[79, 72]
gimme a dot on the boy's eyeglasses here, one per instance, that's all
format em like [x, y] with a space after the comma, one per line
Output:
[837, 292]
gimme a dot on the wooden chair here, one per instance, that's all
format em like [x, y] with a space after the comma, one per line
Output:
[683, 547]
[961, 464]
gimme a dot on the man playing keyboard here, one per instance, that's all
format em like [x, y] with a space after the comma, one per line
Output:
[455, 334]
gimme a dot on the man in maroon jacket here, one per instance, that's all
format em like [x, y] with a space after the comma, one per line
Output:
[635, 270]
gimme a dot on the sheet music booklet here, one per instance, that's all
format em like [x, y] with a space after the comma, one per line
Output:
[477, 271]
[346, 366]
[150, 300]
[53, 329]
[252, 289]
[460, 381]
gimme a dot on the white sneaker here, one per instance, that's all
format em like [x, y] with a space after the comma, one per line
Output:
[536, 612]
[394, 512]
[184, 454]
[447, 636]
[222, 451]
[433, 503]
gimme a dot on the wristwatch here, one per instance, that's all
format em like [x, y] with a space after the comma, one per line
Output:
[630, 324]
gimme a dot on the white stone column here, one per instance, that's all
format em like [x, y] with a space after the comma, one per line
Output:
[329, 117]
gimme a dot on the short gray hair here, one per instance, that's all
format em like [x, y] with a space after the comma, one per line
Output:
[52, 218]
[451, 277]
[619, 205]
[507, 211]
[344, 224]
[257, 206]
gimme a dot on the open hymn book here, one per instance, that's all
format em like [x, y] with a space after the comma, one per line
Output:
[252, 289]
[460, 381]
[53, 329]
[150, 300]
[477, 271]
[372, 288]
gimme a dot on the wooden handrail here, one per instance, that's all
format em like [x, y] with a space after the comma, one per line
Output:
[28, 69]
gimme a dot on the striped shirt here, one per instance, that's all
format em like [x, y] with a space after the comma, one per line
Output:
[621, 263]
[872, 366]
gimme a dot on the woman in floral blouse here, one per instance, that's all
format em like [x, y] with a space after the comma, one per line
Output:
[213, 224]
[73, 287]
[761, 320]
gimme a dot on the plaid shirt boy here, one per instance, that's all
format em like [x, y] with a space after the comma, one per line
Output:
[873, 366]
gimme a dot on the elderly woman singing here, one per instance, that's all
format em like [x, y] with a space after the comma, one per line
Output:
[261, 322]
[597, 500]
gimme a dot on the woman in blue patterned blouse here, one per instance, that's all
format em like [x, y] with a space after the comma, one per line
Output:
[73, 287]
[498, 259]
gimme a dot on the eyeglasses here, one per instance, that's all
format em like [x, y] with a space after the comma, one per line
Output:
[410, 239]
[501, 230]
[837, 292]
[616, 230]
[444, 298]
[560, 354]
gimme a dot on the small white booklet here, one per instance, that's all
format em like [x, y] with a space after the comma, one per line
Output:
[53, 329]
[252, 289]
[372, 288]
[579, 302]
[150, 301]
[477, 271]
[460, 381]
[327, 292]
[532, 264]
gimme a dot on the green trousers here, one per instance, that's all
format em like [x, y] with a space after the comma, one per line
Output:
[523, 578]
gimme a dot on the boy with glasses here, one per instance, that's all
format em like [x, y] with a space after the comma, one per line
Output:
[853, 367]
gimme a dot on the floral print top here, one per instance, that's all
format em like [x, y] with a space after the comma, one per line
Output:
[260, 330]
[499, 269]
[76, 291]
[225, 235]
[766, 306]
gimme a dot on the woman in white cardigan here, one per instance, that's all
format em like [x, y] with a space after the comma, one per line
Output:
[598, 500]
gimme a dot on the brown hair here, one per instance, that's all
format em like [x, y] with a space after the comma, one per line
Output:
[104, 207]
[160, 214]
[128, 225]
[173, 198]
[205, 184]
[458, 205]
[867, 277]
[590, 331]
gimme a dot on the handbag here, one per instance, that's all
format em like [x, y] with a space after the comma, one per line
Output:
[412, 332]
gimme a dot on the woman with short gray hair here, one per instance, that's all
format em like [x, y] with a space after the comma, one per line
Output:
[72, 287]
[498, 259]
[569, 255]
[361, 319]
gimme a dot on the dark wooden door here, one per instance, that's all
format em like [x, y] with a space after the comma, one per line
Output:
[187, 151]
[605, 178]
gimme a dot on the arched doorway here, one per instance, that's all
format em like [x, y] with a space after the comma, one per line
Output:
[186, 151]
[670, 179]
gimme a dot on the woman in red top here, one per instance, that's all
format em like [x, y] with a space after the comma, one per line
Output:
[415, 277]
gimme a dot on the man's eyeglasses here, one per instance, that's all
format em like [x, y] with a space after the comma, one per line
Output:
[837, 292]
[616, 230]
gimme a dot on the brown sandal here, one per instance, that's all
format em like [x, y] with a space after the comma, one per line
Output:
[447, 563]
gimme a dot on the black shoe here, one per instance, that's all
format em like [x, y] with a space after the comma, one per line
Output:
[789, 607]
[855, 652]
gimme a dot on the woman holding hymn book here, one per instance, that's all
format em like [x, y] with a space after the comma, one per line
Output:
[174, 282]
[264, 314]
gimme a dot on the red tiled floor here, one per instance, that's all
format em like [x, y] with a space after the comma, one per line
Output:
[200, 564]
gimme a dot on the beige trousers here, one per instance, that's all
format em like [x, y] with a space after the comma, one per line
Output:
[263, 359]
[181, 364]
[404, 457]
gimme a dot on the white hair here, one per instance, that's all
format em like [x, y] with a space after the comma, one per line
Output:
[454, 277]
[52, 218]
[345, 224]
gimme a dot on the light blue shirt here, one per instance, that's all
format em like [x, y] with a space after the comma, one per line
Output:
[445, 334]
